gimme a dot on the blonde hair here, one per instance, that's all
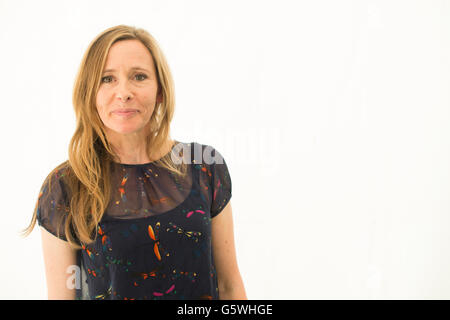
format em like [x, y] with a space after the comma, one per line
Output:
[87, 172]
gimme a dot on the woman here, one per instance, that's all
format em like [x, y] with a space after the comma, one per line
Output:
[142, 215]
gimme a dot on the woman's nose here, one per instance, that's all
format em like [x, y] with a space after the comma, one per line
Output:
[123, 91]
[124, 96]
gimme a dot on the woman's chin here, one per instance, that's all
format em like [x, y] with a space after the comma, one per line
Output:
[127, 129]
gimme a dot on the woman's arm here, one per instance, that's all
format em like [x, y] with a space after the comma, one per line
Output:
[58, 256]
[231, 286]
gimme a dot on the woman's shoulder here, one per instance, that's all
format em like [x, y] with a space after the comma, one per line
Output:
[55, 181]
[206, 154]
[61, 169]
[214, 176]
[58, 172]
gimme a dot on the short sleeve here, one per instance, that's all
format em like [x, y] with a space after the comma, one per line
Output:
[221, 184]
[53, 205]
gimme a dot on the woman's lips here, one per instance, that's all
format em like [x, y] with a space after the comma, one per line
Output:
[125, 113]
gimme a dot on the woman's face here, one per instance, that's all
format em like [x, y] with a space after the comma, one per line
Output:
[128, 90]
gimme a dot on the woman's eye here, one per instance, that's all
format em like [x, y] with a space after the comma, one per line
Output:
[142, 75]
[107, 77]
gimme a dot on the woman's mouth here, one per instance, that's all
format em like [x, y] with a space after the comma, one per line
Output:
[125, 113]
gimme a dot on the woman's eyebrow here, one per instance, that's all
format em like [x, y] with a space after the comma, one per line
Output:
[133, 68]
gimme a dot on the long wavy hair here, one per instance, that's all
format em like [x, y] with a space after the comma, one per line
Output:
[87, 171]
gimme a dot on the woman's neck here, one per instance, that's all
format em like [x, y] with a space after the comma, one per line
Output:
[132, 148]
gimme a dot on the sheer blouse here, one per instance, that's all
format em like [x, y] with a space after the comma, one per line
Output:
[154, 239]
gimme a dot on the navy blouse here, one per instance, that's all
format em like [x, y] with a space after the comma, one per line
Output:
[154, 239]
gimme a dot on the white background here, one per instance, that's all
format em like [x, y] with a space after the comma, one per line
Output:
[333, 117]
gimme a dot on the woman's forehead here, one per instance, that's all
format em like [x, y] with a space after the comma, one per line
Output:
[128, 52]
